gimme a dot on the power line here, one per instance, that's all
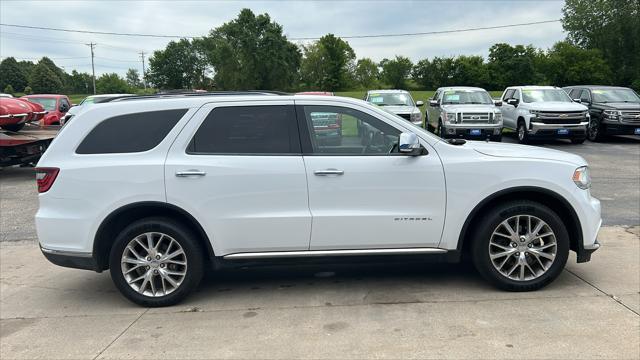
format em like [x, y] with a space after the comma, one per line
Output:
[295, 38]
[433, 32]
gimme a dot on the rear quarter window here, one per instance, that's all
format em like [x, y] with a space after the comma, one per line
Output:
[130, 133]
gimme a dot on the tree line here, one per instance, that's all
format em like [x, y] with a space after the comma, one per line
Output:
[251, 52]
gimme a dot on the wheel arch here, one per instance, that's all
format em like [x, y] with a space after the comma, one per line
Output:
[121, 217]
[544, 196]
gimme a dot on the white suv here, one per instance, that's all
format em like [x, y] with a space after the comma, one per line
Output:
[159, 189]
[544, 112]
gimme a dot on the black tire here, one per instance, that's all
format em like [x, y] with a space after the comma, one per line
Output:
[440, 130]
[186, 239]
[521, 132]
[595, 131]
[13, 127]
[578, 140]
[485, 228]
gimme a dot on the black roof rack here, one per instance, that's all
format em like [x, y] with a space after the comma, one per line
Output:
[179, 94]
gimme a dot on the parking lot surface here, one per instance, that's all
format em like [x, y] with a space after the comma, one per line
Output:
[374, 311]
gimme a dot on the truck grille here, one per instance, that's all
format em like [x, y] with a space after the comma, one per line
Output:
[566, 117]
[631, 117]
[475, 118]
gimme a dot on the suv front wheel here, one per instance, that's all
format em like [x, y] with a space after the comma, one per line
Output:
[156, 262]
[523, 135]
[521, 246]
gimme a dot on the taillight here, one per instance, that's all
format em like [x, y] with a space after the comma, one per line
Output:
[45, 178]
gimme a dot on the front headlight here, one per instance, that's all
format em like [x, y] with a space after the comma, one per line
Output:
[416, 116]
[612, 114]
[582, 177]
[497, 118]
[534, 112]
[449, 118]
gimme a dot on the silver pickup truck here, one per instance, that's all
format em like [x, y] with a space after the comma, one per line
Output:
[466, 112]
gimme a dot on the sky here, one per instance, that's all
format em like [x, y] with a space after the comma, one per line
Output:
[298, 18]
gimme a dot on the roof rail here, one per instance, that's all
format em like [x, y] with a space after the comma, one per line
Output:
[195, 94]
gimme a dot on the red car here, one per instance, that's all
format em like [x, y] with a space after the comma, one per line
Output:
[56, 106]
[14, 113]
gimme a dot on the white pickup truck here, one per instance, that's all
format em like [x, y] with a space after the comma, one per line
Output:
[544, 112]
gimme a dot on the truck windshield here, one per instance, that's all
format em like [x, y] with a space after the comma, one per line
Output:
[390, 99]
[48, 104]
[466, 97]
[531, 95]
[614, 95]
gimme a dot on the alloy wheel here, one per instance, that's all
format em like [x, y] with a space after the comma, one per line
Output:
[594, 129]
[154, 264]
[522, 247]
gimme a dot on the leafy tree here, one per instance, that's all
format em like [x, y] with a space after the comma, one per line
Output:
[111, 84]
[63, 76]
[611, 26]
[79, 83]
[367, 73]
[396, 71]
[423, 74]
[12, 74]
[327, 64]
[443, 71]
[27, 90]
[133, 78]
[44, 80]
[567, 64]
[470, 71]
[251, 52]
[9, 89]
[174, 67]
[513, 65]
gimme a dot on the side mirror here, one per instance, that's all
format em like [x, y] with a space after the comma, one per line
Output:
[409, 144]
[433, 103]
[513, 102]
[497, 102]
[63, 108]
[579, 101]
[419, 103]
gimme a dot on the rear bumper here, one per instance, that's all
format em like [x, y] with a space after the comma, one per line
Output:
[76, 260]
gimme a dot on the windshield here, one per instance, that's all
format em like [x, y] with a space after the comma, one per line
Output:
[531, 95]
[614, 95]
[390, 99]
[466, 97]
[48, 104]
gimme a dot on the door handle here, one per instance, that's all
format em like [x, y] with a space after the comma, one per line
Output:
[328, 172]
[187, 173]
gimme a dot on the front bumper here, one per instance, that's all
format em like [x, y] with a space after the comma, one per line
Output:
[552, 130]
[615, 127]
[76, 260]
[472, 131]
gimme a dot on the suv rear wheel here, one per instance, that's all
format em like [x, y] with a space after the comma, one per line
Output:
[521, 246]
[156, 262]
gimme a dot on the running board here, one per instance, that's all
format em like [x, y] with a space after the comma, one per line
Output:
[319, 253]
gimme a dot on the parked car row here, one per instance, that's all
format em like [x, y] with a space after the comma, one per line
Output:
[533, 112]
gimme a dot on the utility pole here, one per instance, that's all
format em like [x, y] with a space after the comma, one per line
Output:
[93, 69]
[144, 81]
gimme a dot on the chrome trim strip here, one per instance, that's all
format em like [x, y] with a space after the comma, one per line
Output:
[10, 116]
[66, 253]
[312, 253]
[538, 125]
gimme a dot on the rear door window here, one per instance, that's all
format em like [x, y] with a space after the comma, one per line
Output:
[255, 130]
[130, 133]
